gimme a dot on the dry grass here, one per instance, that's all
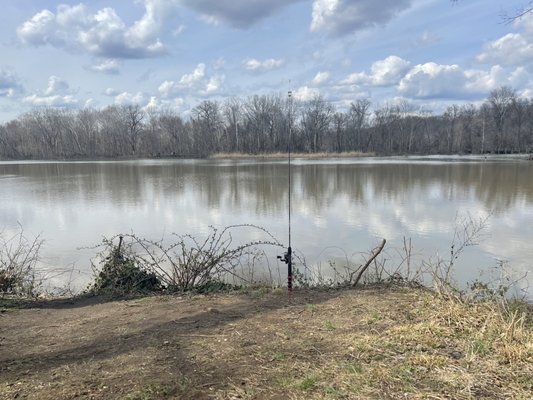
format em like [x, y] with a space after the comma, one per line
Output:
[378, 343]
[278, 155]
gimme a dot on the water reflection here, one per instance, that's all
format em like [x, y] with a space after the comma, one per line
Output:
[336, 203]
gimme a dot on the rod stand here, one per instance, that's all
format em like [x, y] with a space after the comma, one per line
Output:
[287, 259]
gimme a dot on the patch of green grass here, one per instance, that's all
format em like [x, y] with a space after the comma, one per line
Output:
[278, 291]
[12, 304]
[480, 347]
[311, 308]
[333, 392]
[406, 373]
[279, 356]
[286, 381]
[525, 380]
[373, 318]
[308, 384]
[163, 299]
[353, 368]
[329, 325]
[259, 292]
[244, 290]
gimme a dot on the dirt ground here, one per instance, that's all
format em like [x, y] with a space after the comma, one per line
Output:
[371, 343]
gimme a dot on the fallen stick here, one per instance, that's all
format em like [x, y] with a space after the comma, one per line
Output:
[198, 335]
[375, 253]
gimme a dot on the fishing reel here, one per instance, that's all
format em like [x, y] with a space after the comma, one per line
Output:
[287, 257]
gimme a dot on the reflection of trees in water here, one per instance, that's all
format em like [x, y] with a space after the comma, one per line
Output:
[262, 187]
[498, 186]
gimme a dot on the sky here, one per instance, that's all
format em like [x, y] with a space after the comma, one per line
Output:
[173, 54]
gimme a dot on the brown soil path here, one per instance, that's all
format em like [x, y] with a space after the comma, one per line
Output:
[338, 344]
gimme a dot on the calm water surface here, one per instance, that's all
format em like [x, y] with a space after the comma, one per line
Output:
[339, 206]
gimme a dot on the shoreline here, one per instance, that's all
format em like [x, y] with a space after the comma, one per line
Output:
[278, 155]
[281, 156]
[370, 342]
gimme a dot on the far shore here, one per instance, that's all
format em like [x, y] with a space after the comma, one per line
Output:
[276, 156]
[279, 155]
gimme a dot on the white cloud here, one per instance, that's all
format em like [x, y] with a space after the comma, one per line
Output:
[126, 98]
[153, 104]
[51, 101]
[214, 84]
[195, 83]
[90, 103]
[513, 49]
[57, 94]
[255, 65]
[56, 85]
[166, 88]
[40, 30]
[305, 93]
[103, 34]
[323, 10]
[9, 84]
[433, 80]
[387, 72]
[189, 80]
[109, 66]
[479, 81]
[519, 77]
[339, 17]
[321, 78]
[110, 92]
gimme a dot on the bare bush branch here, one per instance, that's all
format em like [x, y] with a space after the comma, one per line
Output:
[189, 262]
[19, 256]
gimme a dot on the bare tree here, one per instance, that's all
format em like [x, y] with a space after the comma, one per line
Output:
[339, 128]
[451, 116]
[172, 125]
[44, 125]
[519, 117]
[316, 119]
[500, 101]
[87, 126]
[358, 119]
[8, 148]
[134, 117]
[406, 121]
[264, 117]
[467, 119]
[384, 119]
[207, 127]
[233, 116]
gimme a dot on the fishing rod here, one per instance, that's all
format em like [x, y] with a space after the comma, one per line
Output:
[287, 257]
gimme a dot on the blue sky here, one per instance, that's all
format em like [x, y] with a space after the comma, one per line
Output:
[176, 53]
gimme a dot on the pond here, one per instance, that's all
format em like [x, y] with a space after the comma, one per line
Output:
[341, 208]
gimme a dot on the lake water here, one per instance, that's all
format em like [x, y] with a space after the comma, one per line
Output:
[340, 208]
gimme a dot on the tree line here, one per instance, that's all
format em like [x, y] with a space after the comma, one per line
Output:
[503, 123]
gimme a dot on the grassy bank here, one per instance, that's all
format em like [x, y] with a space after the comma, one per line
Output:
[374, 343]
[244, 156]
